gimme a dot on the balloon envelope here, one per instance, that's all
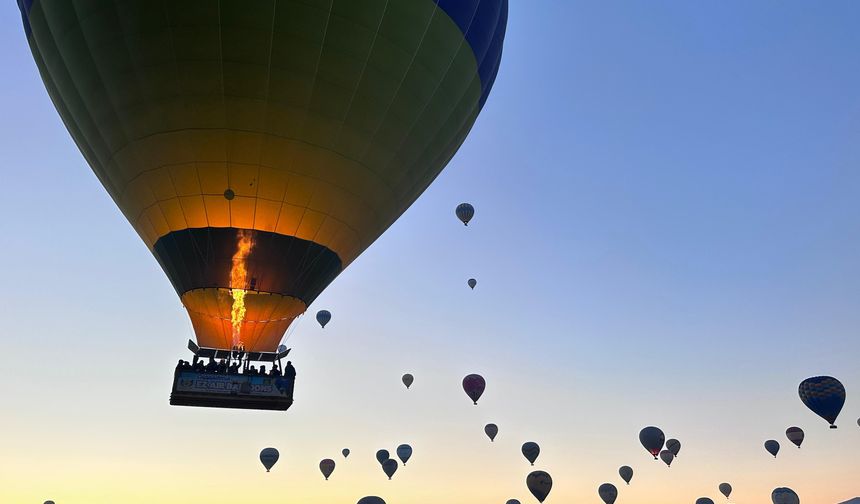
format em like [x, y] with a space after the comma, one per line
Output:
[323, 317]
[382, 456]
[795, 435]
[465, 212]
[371, 500]
[652, 440]
[531, 450]
[474, 386]
[327, 467]
[404, 452]
[725, 489]
[784, 495]
[491, 430]
[389, 467]
[255, 139]
[268, 456]
[667, 457]
[407, 380]
[674, 446]
[608, 493]
[704, 500]
[626, 473]
[824, 395]
[772, 446]
[345, 452]
[472, 283]
[512, 501]
[539, 484]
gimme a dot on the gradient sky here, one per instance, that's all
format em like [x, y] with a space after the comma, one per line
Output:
[666, 233]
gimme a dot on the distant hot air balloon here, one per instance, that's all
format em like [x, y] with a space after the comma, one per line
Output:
[652, 439]
[256, 139]
[345, 452]
[465, 212]
[474, 386]
[795, 435]
[323, 317]
[282, 348]
[674, 446]
[268, 456]
[539, 484]
[404, 452]
[49, 502]
[784, 496]
[370, 500]
[608, 493]
[512, 501]
[704, 500]
[531, 450]
[667, 457]
[407, 380]
[389, 467]
[327, 467]
[472, 283]
[491, 430]
[772, 447]
[382, 456]
[725, 489]
[824, 395]
[626, 473]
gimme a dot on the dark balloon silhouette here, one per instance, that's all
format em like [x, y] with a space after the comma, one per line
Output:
[404, 453]
[824, 395]
[667, 457]
[472, 283]
[704, 500]
[772, 446]
[795, 435]
[407, 380]
[608, 493]
[465, 212]
[327, 467]
[382, 456]
[474, 386]
[539, 484]
[491, 430]
[626, 473]
[674, 446]
[269, 456]
[530, 450]
[652, 440]
[323, 317]
[371, 500]
[345, 452]
[725, 489]
[784, 495]
[389, 467]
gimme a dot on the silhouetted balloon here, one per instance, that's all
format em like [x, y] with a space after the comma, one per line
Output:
[772, 446]
[474, 386]
[345, 452]
[531, 450]
[512, 501]
[667, 457]
[382, 456]
[404, 452]
[652, 439]
[323, 317]
[674, 446]
[407, 380]
[704, 500]
[824, 395]
[282, 348]
[539, 484]
[626, 473]
[784, 495]
[491, 430]
[268, 456]
[370, 500]
[327, 467]
[608, 493]
[49, 502]
[389, 467]
[725, 489]
[795, 435]
[465, 212]
[472, 283]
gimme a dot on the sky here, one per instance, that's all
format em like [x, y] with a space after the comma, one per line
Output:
[666, 234]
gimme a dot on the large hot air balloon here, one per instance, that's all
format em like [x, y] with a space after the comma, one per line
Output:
[327, 467]
[382, 456]
[530, 450]
[474, 386]
[539, 484]
[667, 457]
[407, 380]
[795, 435]
[772, 447]
[608, 493]
[371, 500]
[652, 439]
[674, 446]
[725, 489]
[824, 395]
[626, 473]
[404, 453]
[472, 283]
[389, 467]
[269, 456]
[323, 317]
[491, 430]
[784, 495]
[465, 212]
[258, 148]
[345, 452]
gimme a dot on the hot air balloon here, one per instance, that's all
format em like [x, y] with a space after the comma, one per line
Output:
[465, 212]
[407, 380]
[674, 446]
[608, 493]
[704, 500]
[49, 502]
[323, 317]
[795, 435]
[268, 456]
[512, 501]
[772, 447]
[539, 484]
[626, 473]
[370, 500]
[327, 467]
[474, 386]
[472, 283]
[404, 452]
[667, 457]
[652, 439]
[725, 489]
[824, 395]
[345, 452]
[784, 496]
[259, 150]
[282, 348]
[531, 450]
[382, 456]
[491, 430]
[389, 467]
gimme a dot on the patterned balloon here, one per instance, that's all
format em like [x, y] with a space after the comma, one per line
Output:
[784, 496]
[795, 435]
[323, 317]
[531, 450]
[824, 395]
[465, 212]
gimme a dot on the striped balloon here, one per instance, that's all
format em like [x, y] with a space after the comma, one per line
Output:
[824, 395]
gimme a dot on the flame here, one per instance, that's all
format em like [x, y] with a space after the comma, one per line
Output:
[238, 281]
